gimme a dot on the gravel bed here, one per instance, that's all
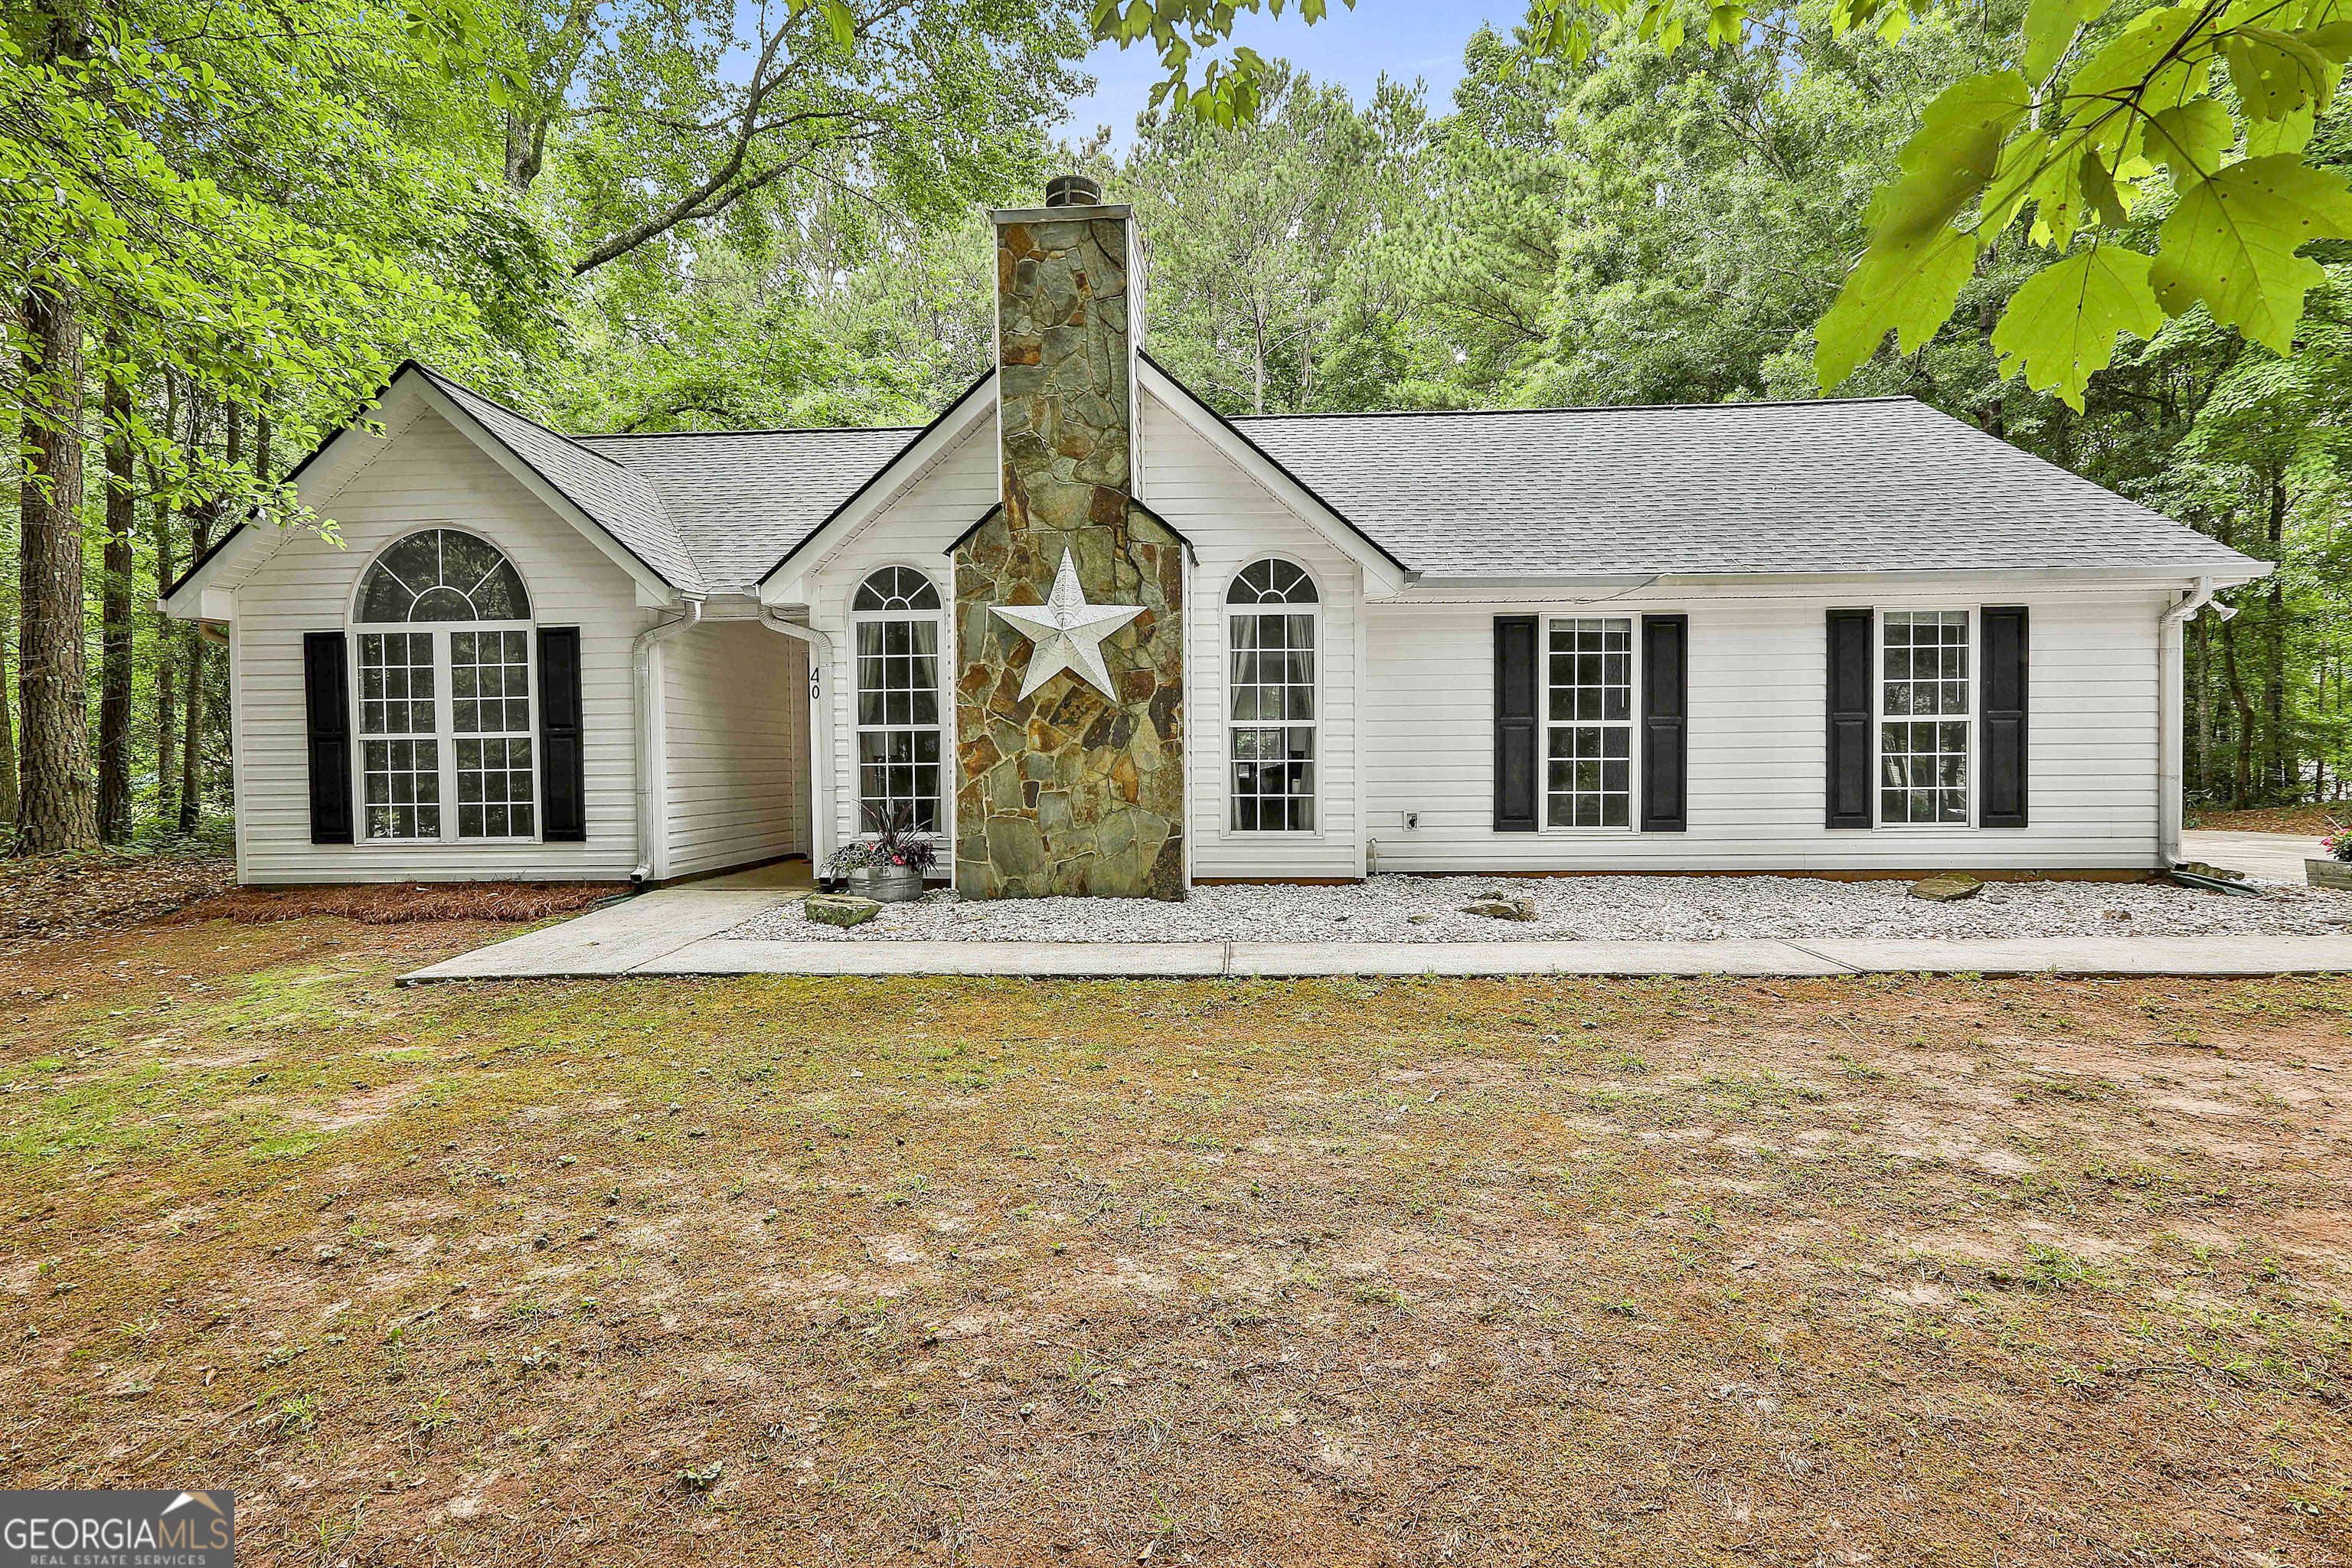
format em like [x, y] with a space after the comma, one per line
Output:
[1669, 909]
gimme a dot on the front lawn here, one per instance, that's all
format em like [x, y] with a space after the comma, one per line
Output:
[1890, 1271]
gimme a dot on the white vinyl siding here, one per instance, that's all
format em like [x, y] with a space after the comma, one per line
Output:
[424, 474]
[915, 531]
[735, 742]
[1231, 522]
[1757, 715]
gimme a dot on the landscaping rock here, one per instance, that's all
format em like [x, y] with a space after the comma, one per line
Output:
[1502, 908]
[841, 908]
[1947, 888]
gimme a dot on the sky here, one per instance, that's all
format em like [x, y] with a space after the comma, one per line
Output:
[1405, 38]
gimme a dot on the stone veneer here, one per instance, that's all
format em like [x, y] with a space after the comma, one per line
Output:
[1068, 791]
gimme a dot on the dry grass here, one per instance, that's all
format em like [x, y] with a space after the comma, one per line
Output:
[403, 903]
[2310, 821]
[851, 1271]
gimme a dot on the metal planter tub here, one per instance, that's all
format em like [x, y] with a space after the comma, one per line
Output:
[887, 884]
[2336, 874]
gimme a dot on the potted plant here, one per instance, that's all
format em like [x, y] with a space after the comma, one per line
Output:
[889, 865]
[2335, 871]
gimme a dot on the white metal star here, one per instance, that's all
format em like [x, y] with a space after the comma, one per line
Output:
[1066, 633]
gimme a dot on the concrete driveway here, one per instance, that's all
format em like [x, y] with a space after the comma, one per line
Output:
[2273, 856]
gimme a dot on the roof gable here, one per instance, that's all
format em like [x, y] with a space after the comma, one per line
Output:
[613, 507]
[878, 488]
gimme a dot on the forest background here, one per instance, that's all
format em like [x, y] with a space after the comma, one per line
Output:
[664, 214]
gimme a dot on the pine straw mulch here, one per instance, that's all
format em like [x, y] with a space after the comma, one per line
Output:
[399, 903]
[51, 896]
[2309, 821]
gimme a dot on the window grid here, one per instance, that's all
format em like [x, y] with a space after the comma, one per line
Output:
[1925, 708]
[403, 782]
[1271, 699]
[400, 779]
[446, 713]
[1588, 708]
[897, 659]
[489, 695]
[396, 683]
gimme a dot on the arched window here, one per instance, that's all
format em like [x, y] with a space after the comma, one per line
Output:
[444, 710]
[895, 614]
[1270, 615]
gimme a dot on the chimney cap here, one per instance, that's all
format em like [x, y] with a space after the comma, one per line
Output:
[1074, 191]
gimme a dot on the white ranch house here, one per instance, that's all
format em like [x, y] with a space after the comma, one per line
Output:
[1850, 635]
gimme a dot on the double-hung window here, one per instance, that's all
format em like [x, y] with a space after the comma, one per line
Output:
[1270, 622]
[446, 743]
[895, 614]
[1926, 709]
[1588, 723]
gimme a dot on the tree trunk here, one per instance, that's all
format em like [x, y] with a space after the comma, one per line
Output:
[192, 696]
[7, 741]
[55, 808]
[167, 645]
[114, 617]
[2283, 772]
[2243, 787]
[2204, 708]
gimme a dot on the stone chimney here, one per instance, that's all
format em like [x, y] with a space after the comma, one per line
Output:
[1069, 789]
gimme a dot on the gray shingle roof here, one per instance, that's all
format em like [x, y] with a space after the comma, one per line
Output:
[742, 499]
[1832, 485]
[618, 498]
[1828, 486]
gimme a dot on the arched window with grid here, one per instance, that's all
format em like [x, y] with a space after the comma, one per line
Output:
[1270, 624]
[444, 673]
[896, 620]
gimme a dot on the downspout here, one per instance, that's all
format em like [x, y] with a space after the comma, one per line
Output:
[2170, 707]
[820, 738]
[641, 667]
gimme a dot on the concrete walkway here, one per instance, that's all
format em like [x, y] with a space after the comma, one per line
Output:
[679, 931]
[2273, 856]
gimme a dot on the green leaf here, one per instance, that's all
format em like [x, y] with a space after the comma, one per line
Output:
[1909, 278]
[2154, 58]
[2189, 139]
[2099, 192]
[2232, 241]
[2289, 133]
[2277, 73]
[2050, 28]
[845, 25]
[1907, 287]
[2061, 325]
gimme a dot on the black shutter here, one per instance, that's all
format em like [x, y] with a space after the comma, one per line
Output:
[2001, 681]
[1666, 722]
[1850, 764]
[327, 704]
[562, 760]
[1516, 724]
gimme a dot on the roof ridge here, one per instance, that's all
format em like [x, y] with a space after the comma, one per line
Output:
[1588, 408]
[451, 381]
[763, 430]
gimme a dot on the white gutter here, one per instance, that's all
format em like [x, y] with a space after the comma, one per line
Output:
[641, 667]
[820, 731]
[2172, 719]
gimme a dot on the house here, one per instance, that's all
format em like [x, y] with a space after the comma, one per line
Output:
[1103, 639]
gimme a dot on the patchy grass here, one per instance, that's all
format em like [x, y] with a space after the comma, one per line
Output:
[848, 1271]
